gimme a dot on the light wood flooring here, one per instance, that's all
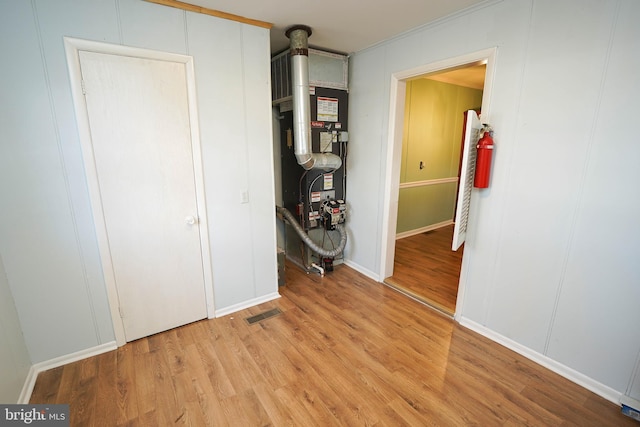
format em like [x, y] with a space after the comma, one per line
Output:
[426, 268]
[345, 351]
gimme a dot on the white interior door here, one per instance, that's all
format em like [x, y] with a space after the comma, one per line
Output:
[138, 115]
[467, 171]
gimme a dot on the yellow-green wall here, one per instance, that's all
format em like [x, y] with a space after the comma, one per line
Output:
[434, 114]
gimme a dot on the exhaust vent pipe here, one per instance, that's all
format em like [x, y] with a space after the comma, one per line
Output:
[298, 43]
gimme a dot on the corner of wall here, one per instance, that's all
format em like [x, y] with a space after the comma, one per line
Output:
[15, 361]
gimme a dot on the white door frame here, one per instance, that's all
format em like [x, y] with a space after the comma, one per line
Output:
[397, 92]
[72, 48]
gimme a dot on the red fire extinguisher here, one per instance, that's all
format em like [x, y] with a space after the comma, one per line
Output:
[483, 161]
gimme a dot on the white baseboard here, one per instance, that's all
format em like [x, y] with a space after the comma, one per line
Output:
[630, 402]
[560, 369]
[246, 304]
[423, 229]
[27, 388]
[32, 376]
[360, 269]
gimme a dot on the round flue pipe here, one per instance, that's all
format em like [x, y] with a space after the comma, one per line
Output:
[299, 48]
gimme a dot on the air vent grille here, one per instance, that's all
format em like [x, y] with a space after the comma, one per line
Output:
[265, 315]
[326, 69]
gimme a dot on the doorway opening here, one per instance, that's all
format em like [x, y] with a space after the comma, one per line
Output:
[427, 117]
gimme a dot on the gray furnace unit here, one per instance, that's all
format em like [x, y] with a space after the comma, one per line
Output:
[314, 179]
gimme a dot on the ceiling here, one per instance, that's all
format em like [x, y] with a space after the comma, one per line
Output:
[468, 76]
[344, 26]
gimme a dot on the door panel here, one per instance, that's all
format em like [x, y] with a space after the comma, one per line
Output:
[141, 140]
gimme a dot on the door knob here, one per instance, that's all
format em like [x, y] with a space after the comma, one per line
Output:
[190, 220]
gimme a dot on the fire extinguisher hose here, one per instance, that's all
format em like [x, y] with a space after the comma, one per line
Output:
[307, 240]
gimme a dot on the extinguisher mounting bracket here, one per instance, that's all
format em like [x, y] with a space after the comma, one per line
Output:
[486, 128]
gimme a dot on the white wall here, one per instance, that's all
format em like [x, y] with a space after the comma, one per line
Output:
[47, 236]
[14, 358]
[552, 254]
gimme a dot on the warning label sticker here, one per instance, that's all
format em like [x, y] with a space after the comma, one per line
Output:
[328, 181]
[327, 109]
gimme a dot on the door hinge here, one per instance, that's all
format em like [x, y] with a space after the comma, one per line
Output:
[84, 88]
[121, 313]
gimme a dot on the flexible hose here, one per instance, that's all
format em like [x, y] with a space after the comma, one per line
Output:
[307, 240]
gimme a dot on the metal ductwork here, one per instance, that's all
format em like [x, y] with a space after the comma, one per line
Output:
[308, 241]
[299, 48]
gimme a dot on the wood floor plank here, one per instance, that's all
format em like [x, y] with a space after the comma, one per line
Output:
[145, 388]
[246, 408]
[212, 412]
[173, 351]
[290, 397]
[239, 378]
[167, 408]
[211, 367]
[426, 268]
[343, 376]
[193, 415]
[410, 415]
[85, 391]
[391, 418]
[106, 386]
[126, 396]
[312, 410]
[70, 378]
[328, 386]
[595, 412]
[278, 413]
[147, 419]
[346, 351]
[47, 385]
[274, 366]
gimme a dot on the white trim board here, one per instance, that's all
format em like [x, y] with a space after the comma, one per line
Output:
[428, 182]
[32, 376]
[630, 402]
[423, 229]
[246, 304]
[360, 269]
[397, 89]
[545, 361]
[393, 155]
